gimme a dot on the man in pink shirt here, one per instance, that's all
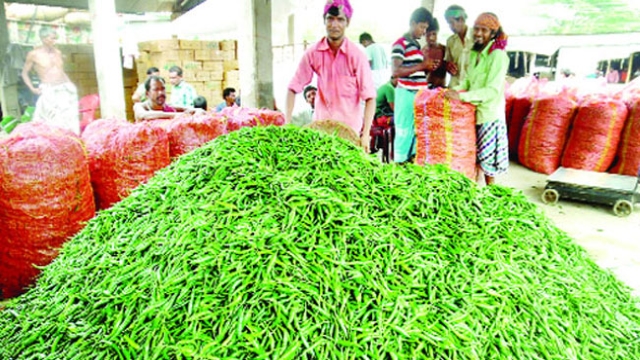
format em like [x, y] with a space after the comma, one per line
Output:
[344, 75]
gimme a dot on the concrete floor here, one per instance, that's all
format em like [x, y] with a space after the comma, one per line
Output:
[613, 242]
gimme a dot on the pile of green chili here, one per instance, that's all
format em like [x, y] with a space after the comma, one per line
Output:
[284, 243]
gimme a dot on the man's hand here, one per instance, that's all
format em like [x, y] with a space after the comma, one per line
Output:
[431, 64]
[36, 91]
[452, 95]
[195, 111]
[365, 140]
[452, 68]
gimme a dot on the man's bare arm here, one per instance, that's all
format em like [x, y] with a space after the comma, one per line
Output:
[291, 99]
[28, 65]
[369, 112]
[399, 71]
[142, 114]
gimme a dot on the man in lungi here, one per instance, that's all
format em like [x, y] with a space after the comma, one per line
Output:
[484, 87]
[57, 103]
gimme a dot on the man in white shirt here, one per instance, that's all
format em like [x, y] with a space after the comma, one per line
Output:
[378, 59]
[458, 45]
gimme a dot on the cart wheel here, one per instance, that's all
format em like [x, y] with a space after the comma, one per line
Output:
[623, 208]
[550, 196]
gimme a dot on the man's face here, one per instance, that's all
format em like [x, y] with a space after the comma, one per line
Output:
[365, 43]
[50, 40]
[336, 25]
[310, 97]
[156, 93]
[174, 78]
[157, 73]
[456, 25]
[481, 37]
[231, 98]
[418, 30]
[432, 38]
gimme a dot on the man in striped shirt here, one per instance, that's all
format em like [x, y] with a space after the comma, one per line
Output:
[410, 67]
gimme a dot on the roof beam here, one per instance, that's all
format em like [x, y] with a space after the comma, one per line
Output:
[182, 6]
[72, 4]
[122, 6]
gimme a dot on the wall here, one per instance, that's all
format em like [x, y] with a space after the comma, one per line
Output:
[209, 66]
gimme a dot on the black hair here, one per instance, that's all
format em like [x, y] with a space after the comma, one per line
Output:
[176, 69]
[421, 15]
[226, 92]
[152, 70]
[456, 8]
[200, 103]
[334, 11]
[307, 89]
[147, 83]
[434, 25]
[365, 36]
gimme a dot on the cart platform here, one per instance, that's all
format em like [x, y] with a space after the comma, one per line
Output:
[620, 191]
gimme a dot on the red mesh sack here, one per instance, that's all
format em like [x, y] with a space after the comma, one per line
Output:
[124, 158]
[238, 117]
[519, 97]
[445, 132]
[95, 137]
[629, 148]
[270, 117]
[545, 132]
[45, 199]
[630, 93]
[520, 110]
[595, 134]
[190, 132]
[508, 110]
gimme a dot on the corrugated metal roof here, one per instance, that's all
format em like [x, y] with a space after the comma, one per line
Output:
[122, 6]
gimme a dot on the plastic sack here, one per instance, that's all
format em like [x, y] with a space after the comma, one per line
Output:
[630, 93]
[519, 97]
[595, 135]
[45, 199]
[238, 117]
[122, 156]
[628, 156]
[545, 132]
[188, 133]
[519, 112]
[268, 117]
[445, 132]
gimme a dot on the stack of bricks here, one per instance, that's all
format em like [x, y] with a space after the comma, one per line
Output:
[209, 66]
[79, 64]
[130, 79]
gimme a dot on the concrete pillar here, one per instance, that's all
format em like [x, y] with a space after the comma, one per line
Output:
[428, 4]
[106, 50]
[255, 54]
[291, 30]
[8, 93]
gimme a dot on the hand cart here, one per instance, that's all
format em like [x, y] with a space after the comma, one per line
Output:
[619, 191]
